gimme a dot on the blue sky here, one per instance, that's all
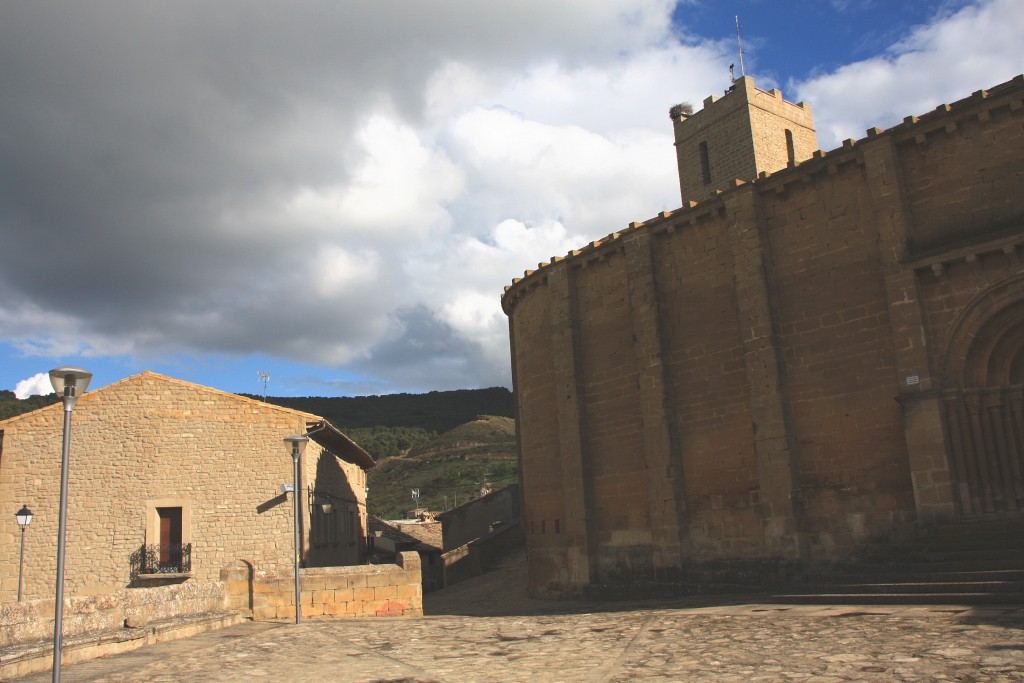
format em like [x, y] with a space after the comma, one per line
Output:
[336, 193]
[792, 40]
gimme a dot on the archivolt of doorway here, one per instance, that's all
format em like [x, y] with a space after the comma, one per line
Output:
[983, 402]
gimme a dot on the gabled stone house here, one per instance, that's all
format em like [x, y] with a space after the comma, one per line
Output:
[170, 481]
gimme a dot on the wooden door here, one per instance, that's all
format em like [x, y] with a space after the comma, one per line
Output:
[170, 536]
[985, 427]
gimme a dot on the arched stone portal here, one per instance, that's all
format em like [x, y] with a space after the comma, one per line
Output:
[983, 402]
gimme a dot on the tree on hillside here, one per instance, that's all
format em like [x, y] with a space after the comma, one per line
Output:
[11, 405]
[436, 411]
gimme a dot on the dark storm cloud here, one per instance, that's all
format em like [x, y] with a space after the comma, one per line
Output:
[152, 153]
[351, 184]
[427, 350]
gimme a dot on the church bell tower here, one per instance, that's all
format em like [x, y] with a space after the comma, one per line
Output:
[739, 135]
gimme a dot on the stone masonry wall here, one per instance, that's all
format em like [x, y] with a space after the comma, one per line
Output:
[744, 134]
[752, 377]
[770, 117]
[708, 384]
[339, 537]
[32, 620]
[619, 507]
[151, 441]
[965, 175]
[835, 336]
[537, 419]
[361, 591]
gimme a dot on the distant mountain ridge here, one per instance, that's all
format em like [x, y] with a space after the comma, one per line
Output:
[450, 445]
[436, 411]
[394, 423]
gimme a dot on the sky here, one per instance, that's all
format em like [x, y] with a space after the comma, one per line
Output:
[337, 193]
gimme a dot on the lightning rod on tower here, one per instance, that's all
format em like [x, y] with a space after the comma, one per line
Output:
[739, 44]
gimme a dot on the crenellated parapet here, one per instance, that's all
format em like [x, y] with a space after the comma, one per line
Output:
[925, 129]
[783, 370]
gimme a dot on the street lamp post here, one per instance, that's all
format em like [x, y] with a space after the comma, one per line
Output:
[297, 445]
[24, 517]
[69, 383]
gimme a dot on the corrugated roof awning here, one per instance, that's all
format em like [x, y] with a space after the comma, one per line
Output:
[331, 438]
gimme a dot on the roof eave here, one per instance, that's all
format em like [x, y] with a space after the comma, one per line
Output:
[334, 440]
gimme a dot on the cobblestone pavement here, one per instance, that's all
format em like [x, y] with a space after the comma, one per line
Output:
[488, 629]
[639, 641]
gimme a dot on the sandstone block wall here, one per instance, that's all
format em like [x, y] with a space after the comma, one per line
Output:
[753, 377]
[379, 590]
[32, 620]
[744, 133]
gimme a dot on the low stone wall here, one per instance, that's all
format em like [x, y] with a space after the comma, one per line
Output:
[32, 620]
[355, 591]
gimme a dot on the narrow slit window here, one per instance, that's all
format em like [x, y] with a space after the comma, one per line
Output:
[705, 163]
[790, 152]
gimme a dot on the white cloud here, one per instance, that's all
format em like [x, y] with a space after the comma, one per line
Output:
[398, 189]
[351, 183]
[531, 171]
[947, 59]
[337, 272]
[36, 385]
[467, 274]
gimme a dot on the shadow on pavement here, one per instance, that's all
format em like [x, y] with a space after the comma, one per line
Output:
[503, 592]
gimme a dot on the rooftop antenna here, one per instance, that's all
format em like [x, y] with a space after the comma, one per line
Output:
[739, 44]
[264, 376]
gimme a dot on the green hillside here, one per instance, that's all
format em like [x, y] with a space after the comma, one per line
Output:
[391, 424]
[401, 432]
[450, 470]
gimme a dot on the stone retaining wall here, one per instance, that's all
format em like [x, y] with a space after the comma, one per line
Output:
[482, 554]
[32, 620]
[356, 591]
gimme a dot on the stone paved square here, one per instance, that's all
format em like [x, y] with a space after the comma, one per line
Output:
[531, 641]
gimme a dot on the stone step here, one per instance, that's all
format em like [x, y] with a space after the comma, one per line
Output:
[1009, 526]
[29, 657]
[965, 560]
[917, 574]
[979, 540]
[975, 563]
[899, 598]
[966, 587]
[982, 543]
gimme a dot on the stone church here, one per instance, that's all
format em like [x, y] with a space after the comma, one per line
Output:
[817, 352]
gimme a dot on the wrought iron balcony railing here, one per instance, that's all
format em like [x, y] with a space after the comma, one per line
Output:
[166, 558]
